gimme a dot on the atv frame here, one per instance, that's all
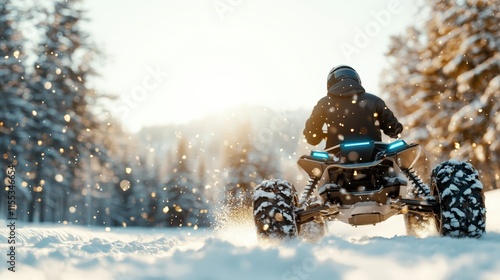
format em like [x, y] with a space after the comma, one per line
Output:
[366, 182]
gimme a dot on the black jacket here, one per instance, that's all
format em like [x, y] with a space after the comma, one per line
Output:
[350, 114]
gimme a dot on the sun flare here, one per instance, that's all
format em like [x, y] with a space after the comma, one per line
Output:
[219, 90]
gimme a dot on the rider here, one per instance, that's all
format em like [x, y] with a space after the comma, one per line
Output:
[350, 113]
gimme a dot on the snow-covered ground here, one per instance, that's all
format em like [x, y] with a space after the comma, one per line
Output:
[368, 252]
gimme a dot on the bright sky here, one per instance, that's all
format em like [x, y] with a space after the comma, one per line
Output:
[174, 61]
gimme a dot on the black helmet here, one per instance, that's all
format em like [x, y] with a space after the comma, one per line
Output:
[341, 72]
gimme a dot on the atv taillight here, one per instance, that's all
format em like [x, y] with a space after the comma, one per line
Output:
[320, 155]
[394, 146]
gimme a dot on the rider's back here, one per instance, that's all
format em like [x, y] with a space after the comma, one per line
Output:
[349, 113]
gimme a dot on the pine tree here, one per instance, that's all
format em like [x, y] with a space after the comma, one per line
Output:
[473, 63]
[205, 218]
[185, 204]
[152, 187]
[241, 173]
[448, 83]
[138, 200]
[150, 178]
[412, 96]
[66, 130]
[247, 165]
[15, 108]
[115, 172]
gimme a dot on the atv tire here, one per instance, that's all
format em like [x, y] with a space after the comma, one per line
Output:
[273, 210]
[457, 188]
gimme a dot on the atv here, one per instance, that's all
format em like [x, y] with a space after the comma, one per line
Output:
[367, 182]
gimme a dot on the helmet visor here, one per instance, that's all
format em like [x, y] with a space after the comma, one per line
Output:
[344, 73]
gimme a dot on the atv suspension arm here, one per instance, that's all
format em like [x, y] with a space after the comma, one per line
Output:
[419, 205]
[309, 214]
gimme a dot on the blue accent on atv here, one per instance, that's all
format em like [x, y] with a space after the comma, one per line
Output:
[397, 146]
[320, 155]
[357, 151]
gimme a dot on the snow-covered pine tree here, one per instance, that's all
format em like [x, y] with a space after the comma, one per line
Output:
[240, 175]
[449, 76]
[246, 165]
[124, 198]
[475, 66]
[15, 108]
[113, 201]
[152, 186]
[65, 127]
[144, 178]
[412, 96]
[150, 180]
[264, 154]
[205, 195]
[52, 99]
[185, 204]
[128, 200]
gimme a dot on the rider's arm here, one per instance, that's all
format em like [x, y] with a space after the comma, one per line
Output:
[313, 130]
[388, 122]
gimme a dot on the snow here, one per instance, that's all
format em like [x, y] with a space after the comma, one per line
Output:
[451, 190]
[366, 252]
[263, 194]
[262, 206]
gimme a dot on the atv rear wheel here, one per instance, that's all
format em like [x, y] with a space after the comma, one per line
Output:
[273, 210]
[457, 188]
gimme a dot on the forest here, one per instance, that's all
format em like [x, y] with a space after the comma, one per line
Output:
[76, 164]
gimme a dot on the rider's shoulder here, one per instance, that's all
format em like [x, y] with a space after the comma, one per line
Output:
[371, 96]
[325, 99]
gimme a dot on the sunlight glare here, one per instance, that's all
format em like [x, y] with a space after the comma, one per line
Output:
[217, 91]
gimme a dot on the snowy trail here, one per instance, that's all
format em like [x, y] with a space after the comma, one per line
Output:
[371, 252]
